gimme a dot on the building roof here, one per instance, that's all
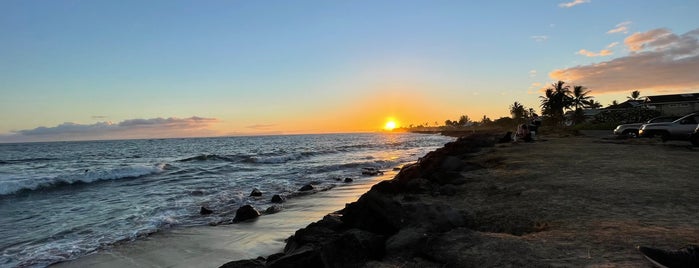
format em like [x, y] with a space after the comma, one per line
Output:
[659, 99]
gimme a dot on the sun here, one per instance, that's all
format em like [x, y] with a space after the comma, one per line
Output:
[390, 125]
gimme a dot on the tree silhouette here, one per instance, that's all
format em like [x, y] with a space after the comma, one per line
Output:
[635, 95]
[556, 99]
[592, 104]
[518, 111]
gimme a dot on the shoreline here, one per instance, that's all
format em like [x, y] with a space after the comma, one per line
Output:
[210, 246]
[560, 201]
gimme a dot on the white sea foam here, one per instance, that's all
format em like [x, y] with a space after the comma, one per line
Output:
[14, 184]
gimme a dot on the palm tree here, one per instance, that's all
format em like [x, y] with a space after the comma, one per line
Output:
[580, 99]
[517, 111]
[557, 98]
[592, 104]
[635, 95]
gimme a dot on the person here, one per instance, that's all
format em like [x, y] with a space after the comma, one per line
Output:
[535, 123]
[685, 257]
[523, 133]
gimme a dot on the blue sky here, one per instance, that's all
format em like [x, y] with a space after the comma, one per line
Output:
[70, 68]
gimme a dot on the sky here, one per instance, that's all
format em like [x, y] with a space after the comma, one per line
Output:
[83, 70]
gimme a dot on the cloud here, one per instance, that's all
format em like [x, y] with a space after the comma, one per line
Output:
[574, 3]
[620, 28]
[532, 73]
[539, 38]
[98, 116]
[659, 61]
[261, 126]
[132, 128]
[587, 53]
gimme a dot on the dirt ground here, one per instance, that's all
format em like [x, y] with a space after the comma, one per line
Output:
[583, 201]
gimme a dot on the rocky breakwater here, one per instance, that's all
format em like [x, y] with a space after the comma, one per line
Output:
[414, 220]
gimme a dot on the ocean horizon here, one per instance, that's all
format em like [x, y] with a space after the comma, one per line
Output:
[63, 200]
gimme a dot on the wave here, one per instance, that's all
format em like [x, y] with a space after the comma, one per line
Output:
[266, 158]
[15, 185]
[19, 161]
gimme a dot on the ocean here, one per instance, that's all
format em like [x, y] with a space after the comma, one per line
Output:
[63, 200]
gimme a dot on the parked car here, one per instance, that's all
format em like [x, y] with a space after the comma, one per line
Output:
[695, 136]
[680, 129]
[631, 130]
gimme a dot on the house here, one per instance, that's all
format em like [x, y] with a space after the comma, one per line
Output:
[675, 104]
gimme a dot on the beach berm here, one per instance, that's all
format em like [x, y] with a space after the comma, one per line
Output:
[561, 201]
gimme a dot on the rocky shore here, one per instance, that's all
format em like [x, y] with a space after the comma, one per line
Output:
[556, 202]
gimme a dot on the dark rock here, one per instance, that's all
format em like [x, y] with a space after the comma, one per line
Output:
[273, 209]
[306, 187]
[349, 180]
[375, 212]
[396, 168]
[303, 257]
[244, 264]
[352, 249]
[406, 241]
[205, 211]
[244, 213]
[278, 198]
[275, 257]
[255, 192]
[370, 171]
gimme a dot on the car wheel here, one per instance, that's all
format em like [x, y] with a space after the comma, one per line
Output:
[630, 134]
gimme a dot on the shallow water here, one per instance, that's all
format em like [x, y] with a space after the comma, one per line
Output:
[60, 201]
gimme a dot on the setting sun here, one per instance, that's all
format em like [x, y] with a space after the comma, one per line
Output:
[390, 125]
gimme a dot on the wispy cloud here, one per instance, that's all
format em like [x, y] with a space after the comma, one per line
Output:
[574, 3]
[539, 38]
[620, 28]
[601, 53]
[261, 126]
[532, 73]
[98, 116]
[132, 128]
[660, 60]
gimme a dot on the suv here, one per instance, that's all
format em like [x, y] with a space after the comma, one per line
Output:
[680, 129]
[631, 130]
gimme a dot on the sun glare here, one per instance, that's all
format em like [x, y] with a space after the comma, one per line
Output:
[390, 125]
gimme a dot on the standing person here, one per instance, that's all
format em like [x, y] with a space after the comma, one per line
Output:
[535, 123]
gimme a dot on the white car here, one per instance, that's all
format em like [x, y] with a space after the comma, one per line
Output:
[631, 130]
[680, 129]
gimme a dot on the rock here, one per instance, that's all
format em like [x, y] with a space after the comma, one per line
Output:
[406, 241]
[371, 171]
[244, 213]
[306, 187]
[303, 257]
[205, 211]
[273, 209]
[396, 169]
[278, 198]
[255, 192]
[349, 180]
[352, 249]
[244, 264]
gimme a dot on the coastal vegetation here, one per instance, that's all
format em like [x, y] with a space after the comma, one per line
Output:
[562, 106]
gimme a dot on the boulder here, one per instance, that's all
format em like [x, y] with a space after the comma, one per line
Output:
[244, 213]
[255, 192]
[244, 264]
[273, 209]
[349, 180]
[370, 171]
[205, 211]
[306, 187]
[277, 198]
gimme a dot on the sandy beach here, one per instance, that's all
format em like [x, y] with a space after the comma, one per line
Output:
[562, 201]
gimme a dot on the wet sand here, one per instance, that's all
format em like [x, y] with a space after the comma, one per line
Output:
[211, 246]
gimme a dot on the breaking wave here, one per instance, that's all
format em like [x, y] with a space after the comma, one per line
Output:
[14, 185]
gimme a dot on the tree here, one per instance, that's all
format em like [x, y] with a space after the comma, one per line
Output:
[518, 111]
[464, 120]
[556, 99]
[580, 99]
[485, 120]
[592, 104]
[635, 95]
